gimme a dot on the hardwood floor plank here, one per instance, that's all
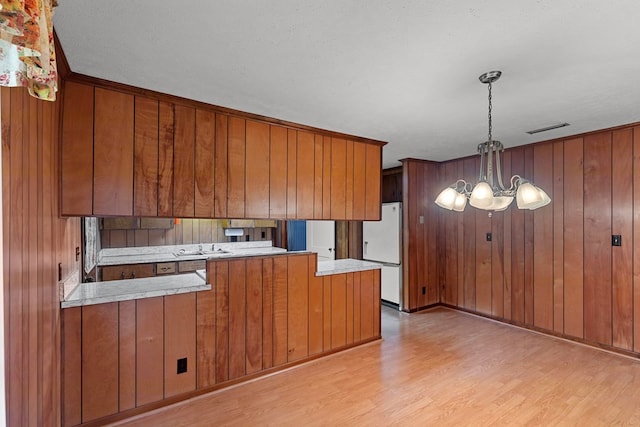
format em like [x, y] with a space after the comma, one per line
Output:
[430, 370]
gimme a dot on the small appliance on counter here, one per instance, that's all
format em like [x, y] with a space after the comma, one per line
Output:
[382, 242]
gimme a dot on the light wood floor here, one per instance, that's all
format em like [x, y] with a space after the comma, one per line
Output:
[439, 367]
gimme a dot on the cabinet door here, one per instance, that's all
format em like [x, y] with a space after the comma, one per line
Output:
[165, 159]
[326, 177]
[235, 168]
[113, 153]
[145, 170]
[338, 178]
[373, 182]
[392, 187]
[317, 177]
[292, 157]
[204, 157]
[359, 179]
[305, 175]
[77, 150]
[220, 168]
[179, 343]
[99, 361]
[297, 307]
[348, 197]
[184, 162]
[278, 173]
[257, 170]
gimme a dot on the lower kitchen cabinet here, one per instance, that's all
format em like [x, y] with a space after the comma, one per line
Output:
[122, 355]
[261, 314]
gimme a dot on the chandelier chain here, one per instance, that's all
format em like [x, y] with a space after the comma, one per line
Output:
[490, 124]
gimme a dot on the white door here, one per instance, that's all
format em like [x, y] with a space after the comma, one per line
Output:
[321, 238]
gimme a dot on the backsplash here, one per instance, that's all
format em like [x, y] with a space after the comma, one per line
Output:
[188, 231]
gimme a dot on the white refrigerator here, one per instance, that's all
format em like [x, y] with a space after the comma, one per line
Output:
[382, 242]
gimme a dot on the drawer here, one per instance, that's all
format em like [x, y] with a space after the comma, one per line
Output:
[131, 271]
[165, 268]
[187, 266]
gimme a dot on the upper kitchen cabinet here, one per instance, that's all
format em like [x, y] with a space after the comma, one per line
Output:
[139, 154]
[113, 119]
[77, 150]
[97, 151]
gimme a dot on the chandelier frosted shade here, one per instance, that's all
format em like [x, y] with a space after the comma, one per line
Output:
[490, 193]
[481, 196]
[460, 203]
[447, 198]
[531, 197]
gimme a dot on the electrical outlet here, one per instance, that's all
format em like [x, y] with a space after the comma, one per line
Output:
[424, 290]
[489, 237]
[616, 240]
[263, 235]
[182, 365]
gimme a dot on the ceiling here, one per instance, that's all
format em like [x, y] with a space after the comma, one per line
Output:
[405, 72]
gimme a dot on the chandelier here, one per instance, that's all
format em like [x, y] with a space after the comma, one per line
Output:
[490, 193]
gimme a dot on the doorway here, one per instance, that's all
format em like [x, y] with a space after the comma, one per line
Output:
[321, 238]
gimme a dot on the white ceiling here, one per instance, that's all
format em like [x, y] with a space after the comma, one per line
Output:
[405, 72]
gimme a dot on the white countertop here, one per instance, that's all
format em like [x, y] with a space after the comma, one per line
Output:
[123, 290]
[191, 252]
[326, 268]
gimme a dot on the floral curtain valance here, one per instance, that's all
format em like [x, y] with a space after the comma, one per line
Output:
[27, 55]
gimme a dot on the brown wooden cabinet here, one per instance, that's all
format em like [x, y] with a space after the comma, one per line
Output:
[131, 271]
[76, 184]
[145, 168]
[132, 155]
[113, 153]
[122, 355]
[392, 185]
[261, 313]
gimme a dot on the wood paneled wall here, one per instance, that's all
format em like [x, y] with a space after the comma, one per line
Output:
[553, 269]
[420, 220]
[188, 231]
[39, 248]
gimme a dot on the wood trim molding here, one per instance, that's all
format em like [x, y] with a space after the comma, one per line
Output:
[61, 60]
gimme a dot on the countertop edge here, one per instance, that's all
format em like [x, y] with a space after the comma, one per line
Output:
[141, 288]
[342, 266]
[170, 257]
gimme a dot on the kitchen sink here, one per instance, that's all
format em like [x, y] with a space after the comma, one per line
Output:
[195, 252]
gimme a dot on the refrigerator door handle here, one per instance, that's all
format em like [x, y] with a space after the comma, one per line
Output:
[365, 248]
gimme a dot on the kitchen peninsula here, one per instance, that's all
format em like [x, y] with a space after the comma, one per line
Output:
[255, 311]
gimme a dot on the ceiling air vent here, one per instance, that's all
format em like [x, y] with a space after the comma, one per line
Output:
[560, 125]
